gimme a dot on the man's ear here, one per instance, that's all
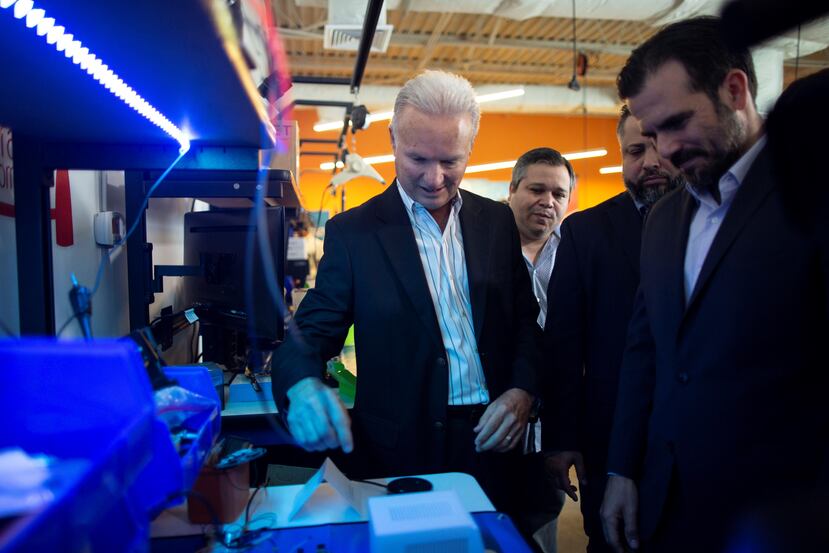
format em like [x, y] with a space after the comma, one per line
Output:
[734, 90]
[391, 136]
[510, 192]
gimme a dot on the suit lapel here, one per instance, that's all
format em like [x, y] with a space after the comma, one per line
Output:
[755, 187]
[397, 238]
[676, 280]
[626, 223]
[476, 243]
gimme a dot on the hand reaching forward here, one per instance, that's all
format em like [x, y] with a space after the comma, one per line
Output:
[317, 419]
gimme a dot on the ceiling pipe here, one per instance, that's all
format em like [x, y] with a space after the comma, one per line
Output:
[306, 79]
[369, 27]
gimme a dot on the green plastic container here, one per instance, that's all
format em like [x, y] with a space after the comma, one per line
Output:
[347, 382]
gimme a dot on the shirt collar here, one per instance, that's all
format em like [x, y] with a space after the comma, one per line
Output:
[549, 246]
[731, 179]
[457, 201]
[740, 168]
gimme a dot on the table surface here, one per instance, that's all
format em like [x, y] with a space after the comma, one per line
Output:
[325, 507]
[498, 534]
[327, 520]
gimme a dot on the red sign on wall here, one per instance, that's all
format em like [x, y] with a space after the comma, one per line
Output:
[61, 213]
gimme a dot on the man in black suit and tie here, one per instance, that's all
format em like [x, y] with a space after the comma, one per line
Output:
[721, 406]
[445, 330]
[590, 299]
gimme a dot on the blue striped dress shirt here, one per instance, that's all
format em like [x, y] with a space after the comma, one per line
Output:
[444, 263]
[541, 271]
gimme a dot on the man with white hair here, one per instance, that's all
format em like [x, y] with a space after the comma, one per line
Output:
[445, 330]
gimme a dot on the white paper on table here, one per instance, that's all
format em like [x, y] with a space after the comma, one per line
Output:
[355, 497]
[327, 506]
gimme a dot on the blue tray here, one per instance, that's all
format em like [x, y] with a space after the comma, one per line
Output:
[91, 407]
[170, 475]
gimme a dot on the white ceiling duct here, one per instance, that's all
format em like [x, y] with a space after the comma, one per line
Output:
[345, 26]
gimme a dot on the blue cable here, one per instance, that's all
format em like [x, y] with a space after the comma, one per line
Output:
[108, 253]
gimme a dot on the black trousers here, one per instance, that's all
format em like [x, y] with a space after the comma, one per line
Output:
[495, 472]
[502, 476]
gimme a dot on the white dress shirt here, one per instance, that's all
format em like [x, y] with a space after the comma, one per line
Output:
[444, 263]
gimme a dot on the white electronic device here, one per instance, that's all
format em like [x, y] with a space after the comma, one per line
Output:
[422, 521]
[109, 228]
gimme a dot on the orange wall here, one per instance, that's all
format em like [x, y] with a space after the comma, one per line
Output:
[502, 137]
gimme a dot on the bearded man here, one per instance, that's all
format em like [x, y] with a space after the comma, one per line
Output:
[722, 381]
[591, 297]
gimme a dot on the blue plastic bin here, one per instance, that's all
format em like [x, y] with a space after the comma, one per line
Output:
[171, 475]
[88, 404]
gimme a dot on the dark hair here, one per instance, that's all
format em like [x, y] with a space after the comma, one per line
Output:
[624, 113]
[546, 156]
[699, 46]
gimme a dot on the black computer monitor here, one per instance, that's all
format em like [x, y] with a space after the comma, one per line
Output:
[216, 241]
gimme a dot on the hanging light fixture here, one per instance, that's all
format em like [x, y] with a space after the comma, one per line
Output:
[574, 80]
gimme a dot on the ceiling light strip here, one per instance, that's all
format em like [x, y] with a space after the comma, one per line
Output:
[73, 49]
[387, 115]
[388, 158]
[599, 152]
[610, 170]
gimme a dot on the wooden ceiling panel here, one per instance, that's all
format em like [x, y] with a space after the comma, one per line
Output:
[486, 48]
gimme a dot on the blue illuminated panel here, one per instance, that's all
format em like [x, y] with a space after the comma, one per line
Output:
[63, 41]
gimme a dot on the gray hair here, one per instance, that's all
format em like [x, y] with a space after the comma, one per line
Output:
[438, 93]
[544, 156]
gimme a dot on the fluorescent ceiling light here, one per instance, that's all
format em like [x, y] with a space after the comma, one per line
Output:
[337, 125]
[388, 158]
[80, 55]
[599, 152]
[329, 126]
[610, 170]
[387, 115]
[490, 166]
[495, 96]
[510, 164]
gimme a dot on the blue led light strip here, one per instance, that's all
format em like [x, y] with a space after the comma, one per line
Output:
[56, 35]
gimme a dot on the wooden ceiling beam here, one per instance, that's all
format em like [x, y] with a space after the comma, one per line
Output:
[434, 39]
[416, 40]
[316, 65]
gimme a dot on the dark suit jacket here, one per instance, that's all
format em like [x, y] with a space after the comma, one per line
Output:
[725, 394]
[591, 300]
[371, 275]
